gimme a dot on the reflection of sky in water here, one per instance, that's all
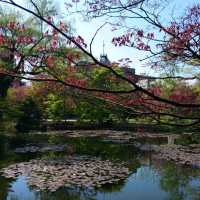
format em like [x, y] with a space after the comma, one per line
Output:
[20, 190]
[143, 185]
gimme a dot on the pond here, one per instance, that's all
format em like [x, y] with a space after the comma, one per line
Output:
[150, 178]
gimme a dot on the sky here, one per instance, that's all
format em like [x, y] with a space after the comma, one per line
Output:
[87, 30]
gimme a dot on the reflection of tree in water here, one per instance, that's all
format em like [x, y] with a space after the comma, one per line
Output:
[61, 194]
[8, 156]
[177, 182]
[77, 193]
[114, 187]
[5, 185]
[3, 146]
[66, 193]
[105, 150]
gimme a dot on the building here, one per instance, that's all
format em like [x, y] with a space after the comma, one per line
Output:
[142, 79]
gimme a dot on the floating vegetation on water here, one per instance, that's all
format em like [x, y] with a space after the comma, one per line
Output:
[183, 155]
[52, 174]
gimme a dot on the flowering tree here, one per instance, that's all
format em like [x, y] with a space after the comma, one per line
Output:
[54, 54]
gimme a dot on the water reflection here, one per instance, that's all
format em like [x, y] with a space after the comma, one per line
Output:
[20, 191]
[72, 194]
[5, 186]
[180, 183]
[150, 179]
[145, 184]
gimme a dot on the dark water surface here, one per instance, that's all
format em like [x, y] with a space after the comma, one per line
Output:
[150, 179]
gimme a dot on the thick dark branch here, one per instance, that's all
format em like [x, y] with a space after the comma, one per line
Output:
[57, 80]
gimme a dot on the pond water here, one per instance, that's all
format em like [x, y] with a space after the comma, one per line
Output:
[150, 179]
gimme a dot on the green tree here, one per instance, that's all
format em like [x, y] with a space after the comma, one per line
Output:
[55, 107]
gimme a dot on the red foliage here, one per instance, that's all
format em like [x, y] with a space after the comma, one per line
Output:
[124, 40]
[50, 61]
[184, 36]
[80, 41]
[135, 38]
[19, 93]
[183, 95]
[156, 91]
[76, 82]
[2, 39]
